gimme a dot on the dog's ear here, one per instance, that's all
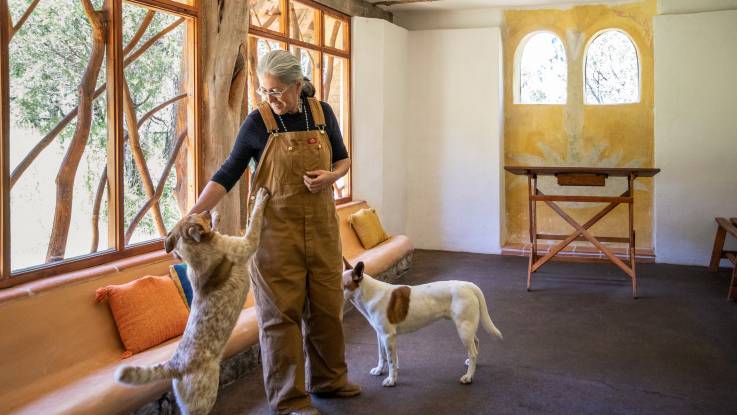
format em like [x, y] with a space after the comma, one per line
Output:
[170, 242]
[347, 264]
[358, 272]
[196, 232]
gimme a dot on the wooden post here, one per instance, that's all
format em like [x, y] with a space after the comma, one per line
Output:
[223, 48]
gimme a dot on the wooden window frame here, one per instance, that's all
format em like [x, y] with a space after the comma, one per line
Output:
[114, 64]
[285, 38]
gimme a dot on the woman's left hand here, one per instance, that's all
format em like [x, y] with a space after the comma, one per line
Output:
[317, 180]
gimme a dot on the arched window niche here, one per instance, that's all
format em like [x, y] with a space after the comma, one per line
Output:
[541, 70]
[611, 69]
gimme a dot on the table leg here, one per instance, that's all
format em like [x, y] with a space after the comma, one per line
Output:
[532, 189]
[633, 254]
[630, 191]
[716, 253]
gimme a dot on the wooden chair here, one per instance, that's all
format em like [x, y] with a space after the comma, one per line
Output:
[725, 226]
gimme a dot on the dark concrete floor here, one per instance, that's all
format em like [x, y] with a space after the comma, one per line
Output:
[577, 344]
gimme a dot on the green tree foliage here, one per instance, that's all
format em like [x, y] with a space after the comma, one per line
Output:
[47, 59]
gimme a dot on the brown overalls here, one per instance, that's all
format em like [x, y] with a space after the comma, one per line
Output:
[297, 269]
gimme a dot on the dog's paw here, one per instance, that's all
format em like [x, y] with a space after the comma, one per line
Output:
[466, 379]
[389, 381]
[377, 371]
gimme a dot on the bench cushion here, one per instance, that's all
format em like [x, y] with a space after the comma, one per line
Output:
[368, 227]
[349, 240]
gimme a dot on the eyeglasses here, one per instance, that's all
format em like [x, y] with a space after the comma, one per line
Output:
[271, 93]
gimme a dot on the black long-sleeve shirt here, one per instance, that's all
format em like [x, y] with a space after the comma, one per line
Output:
[252, 138]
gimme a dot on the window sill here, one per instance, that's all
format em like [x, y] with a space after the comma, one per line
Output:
[34, 287]
[37, 286]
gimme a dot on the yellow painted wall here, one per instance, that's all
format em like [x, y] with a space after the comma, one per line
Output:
[575, 134]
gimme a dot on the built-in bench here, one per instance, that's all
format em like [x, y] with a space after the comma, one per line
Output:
[387, 261]
[60, 348]
[725, 226]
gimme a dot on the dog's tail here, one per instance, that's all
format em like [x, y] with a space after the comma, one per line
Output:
[484, 313]
[140, 375]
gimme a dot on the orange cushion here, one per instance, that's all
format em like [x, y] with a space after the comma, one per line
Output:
[148, 311]
[368, 227]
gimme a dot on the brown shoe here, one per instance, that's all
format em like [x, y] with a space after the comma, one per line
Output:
[305, 411]
[348, 390]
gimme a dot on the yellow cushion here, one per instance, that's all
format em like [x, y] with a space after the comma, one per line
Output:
[367, 226]
[148, 311]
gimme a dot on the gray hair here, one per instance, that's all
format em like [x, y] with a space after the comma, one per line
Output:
[286, 67]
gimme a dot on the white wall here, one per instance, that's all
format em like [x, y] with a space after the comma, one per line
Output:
[449, 19]
[695, 132]
[454, 179]
[379, 118]
[694, 6]
[427, 157]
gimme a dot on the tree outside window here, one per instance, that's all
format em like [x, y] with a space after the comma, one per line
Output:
[612, 70]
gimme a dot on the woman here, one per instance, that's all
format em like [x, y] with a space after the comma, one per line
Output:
[297, 145]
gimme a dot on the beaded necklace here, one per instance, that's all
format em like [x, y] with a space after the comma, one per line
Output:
[302, 109]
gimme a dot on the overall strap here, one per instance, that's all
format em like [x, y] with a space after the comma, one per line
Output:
[318, 117]
[268, 117]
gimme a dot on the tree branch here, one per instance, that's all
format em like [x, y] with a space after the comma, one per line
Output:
[151, 41]
[68, 169]
[101, 185]
[26, 14]
[103, 176]
[159, 107]
[51, 135]
[135, 146]
[140, 32]
[154, 199]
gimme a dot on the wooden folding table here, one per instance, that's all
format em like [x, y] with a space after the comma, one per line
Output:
[581, 176]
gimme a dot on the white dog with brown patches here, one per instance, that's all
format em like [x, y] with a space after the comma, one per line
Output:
[394, 309]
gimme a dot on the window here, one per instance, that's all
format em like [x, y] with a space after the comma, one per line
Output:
[320, 38]
[97, 165]
[541, 70]
[612, 70]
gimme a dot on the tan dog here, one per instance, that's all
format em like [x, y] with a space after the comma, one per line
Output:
[392, 310]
